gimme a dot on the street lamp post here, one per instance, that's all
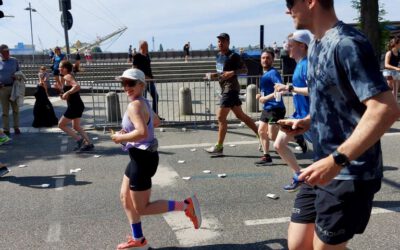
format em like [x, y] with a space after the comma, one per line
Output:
[30, 18]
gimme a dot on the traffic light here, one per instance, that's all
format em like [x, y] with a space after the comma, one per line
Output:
[1, 12]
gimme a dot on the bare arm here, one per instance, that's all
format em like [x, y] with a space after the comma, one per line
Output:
[137, 117]
[382, 111]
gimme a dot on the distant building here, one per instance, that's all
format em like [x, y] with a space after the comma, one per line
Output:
[22, 49]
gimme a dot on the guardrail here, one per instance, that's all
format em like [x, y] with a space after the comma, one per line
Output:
[204, 102]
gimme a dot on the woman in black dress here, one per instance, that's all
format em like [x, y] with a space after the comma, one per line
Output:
[75, 109]
[43, 112]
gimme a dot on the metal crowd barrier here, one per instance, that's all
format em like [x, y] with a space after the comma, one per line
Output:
[205, 97]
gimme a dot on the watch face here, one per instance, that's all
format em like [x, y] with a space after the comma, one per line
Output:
[340, 159]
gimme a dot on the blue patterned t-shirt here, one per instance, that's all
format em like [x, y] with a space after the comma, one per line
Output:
[342, 73]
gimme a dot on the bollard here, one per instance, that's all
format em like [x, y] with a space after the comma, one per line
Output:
[113, 111]
[185, 101]
[251, 101]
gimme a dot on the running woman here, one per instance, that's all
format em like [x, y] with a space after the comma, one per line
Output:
[137, 137]
[75, 109]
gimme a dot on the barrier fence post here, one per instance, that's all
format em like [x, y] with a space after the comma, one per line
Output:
[251, 101]
[113, 110]
[185, 101]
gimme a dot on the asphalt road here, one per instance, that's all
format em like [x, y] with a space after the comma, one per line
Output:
[82, 210]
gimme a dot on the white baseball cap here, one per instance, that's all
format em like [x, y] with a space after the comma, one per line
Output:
[301, 36]
[132, 74]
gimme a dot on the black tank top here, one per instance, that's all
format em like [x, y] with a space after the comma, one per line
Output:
[394, 60]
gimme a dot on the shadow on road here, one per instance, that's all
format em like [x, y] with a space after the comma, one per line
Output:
[280, 244]
[52, 181]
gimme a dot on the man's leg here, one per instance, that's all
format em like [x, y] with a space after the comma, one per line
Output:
[245, 118]
[222, 114]
[319, 245]
[5, 93]
[154, 96]
[300, 236]
[281, 146]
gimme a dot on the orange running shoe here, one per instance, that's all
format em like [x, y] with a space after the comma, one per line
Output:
[134, 244]
[193, 211]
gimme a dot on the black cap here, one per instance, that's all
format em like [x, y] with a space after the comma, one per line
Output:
[224, 36]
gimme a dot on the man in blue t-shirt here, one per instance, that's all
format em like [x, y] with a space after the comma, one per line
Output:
[351, 107]
[273, 107]
[298, 47]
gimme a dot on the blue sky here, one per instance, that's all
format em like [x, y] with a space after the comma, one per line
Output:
[171, 22]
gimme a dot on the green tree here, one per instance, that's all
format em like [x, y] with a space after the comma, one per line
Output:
[161, 49]
[96, 50]
[372, 23]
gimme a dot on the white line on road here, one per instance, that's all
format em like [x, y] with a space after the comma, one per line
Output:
[54, 232]
[207, 144]
[200, 145]
[287, 219]
[179, 223]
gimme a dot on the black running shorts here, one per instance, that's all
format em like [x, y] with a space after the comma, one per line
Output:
[141, 168]
[339, 210]
[272, 115]
[230, 99]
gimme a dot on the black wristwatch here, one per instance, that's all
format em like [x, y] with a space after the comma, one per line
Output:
[340, 159]
[290, 88]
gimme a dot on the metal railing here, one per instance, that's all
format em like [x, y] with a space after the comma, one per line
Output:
[205, 97]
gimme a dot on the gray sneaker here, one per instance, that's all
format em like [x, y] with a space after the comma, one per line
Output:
[4, 171]
[215, 150]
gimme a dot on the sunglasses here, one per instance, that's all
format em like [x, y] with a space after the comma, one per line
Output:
[290, 4]
[129, 83]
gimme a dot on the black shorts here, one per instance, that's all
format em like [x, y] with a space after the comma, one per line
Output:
[141, 168]
[272, 115]
[339, 210]
[230, 99]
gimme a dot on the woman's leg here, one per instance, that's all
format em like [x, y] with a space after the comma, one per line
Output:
[76, 124]
[62, 124]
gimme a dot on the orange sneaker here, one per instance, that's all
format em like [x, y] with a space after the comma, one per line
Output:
[193, 211]
[134, 244]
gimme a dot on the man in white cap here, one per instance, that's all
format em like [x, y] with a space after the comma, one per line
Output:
[8, 67]
[298, 46]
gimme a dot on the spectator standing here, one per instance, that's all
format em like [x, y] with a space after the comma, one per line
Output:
[186, 52]
[43, 112]
[142, 61]
[77, 64]
[8, 67]
[273, 106]
[130, 54]
[298, 47]
[88, 56]
[57, 59]
[392, 67]
[229, 65]
[351, 107]
[137, 137]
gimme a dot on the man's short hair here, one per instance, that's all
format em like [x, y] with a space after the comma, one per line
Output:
[269, 51]
[3, 47]
[326, 4]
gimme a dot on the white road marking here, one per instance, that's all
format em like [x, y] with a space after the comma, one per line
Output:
[200, 145]
[179, 223]
[54, 232]
[287, 219]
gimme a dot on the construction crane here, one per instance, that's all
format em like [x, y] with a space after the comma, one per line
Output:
[100, 40]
